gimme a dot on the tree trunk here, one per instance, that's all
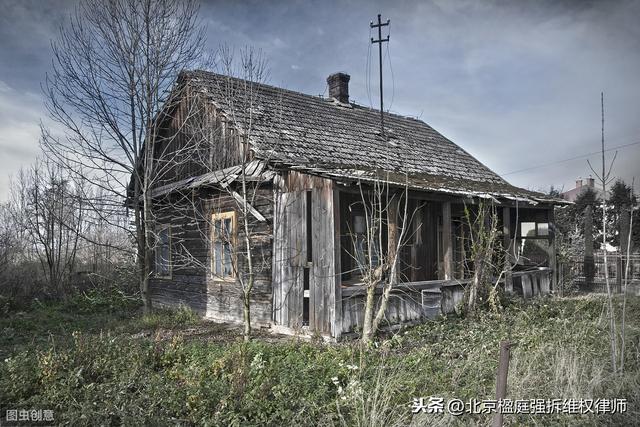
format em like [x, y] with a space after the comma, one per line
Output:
[627, 250]
[384, 299]
[624, 230]
[367, 333]
[612, 321]
[147, 251]
[247, 313]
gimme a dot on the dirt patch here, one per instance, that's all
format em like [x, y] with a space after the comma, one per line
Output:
[210, 331]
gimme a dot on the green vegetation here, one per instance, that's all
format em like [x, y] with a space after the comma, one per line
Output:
[96, 360]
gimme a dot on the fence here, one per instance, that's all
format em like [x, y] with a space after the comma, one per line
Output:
[590, 276]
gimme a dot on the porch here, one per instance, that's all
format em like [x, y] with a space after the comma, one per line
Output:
[413, 302]
[318, 276]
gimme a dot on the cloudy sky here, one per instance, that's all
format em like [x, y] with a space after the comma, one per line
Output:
[517, 84]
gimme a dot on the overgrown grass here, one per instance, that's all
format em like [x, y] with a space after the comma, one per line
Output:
[99, 361]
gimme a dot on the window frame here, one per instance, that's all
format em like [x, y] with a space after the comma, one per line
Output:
[536, 230]
[158, 247]
[221, 216]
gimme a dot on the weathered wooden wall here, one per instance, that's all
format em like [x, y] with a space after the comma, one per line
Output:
[326, 285]
[288, 258]
[298, 255]
[402, 307]
[191, 282]
[408, 303]
[193, 138]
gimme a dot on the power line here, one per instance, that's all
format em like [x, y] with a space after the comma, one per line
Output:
[393, 78]
[569, 159]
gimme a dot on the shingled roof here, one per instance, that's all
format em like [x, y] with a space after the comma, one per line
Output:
[343, 141]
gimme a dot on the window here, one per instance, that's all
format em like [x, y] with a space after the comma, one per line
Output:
[223, 226]
[162, 261]
[534, 229]
[534, 244]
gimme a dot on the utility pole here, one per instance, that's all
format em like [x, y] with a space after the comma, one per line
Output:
[380, 40]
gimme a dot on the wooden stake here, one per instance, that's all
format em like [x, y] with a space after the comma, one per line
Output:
[501, 382]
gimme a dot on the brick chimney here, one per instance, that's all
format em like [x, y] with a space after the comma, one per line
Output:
[591, 182]
[578, 183]
[339, 87]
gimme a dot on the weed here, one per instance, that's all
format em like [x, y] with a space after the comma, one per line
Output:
[109, 365]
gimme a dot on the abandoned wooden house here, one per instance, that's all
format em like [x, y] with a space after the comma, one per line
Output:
[310, 161]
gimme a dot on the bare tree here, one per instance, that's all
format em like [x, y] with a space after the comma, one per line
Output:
[483, 233]
[240, 91]
[253, 70]
[605, 178]
[48, 206]
[8, 242]
[214, 141]
[114, 64]
[378, 261]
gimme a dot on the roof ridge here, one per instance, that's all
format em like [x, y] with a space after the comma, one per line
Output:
[207, 73]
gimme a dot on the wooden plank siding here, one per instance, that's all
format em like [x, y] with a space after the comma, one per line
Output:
[192, 283]
[326, 278]
[293, 255]
[404, 306]
[194, 138]
[288, 268]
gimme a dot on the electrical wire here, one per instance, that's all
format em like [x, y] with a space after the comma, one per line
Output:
[393, 79]
[368, 70]
[569, 159]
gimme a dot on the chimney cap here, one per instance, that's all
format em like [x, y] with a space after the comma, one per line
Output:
[339, 75]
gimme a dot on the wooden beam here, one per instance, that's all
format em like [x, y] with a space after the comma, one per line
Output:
[447, 247]
[392, 229]
[337, 311]
[251, 209]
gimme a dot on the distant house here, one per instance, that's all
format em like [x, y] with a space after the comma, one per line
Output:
[572, 195]
[312, 157]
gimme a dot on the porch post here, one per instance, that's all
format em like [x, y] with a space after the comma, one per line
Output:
[392, 230]
[506, 243]
[336, 321]
[447, 250]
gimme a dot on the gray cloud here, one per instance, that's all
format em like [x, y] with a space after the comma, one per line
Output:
[20, 112]
[517, 84]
